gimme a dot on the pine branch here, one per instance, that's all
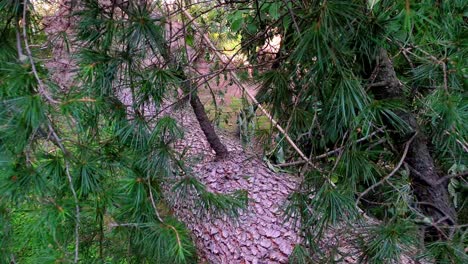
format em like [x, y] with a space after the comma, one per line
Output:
[331, 152]
[397, 167]
[42, 91]
[450, 176]
[58, 141]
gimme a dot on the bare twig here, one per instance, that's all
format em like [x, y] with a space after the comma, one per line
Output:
[58, 141]
[446, 177]
[42, 91]
[124, 225]
[397, 167]
[18, 43]
[331, 152]
[153, 203]
[293, 17]
[441, 62]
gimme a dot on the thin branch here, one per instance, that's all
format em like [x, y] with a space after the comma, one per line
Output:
[42, 90]
[153, 203]
[440, 62]
[293, 17]
[331, 152]
[446, 177]
[446, 216]
[124, 225]
[58, 141]
[397, 167]
[18, 44]
[418, 175]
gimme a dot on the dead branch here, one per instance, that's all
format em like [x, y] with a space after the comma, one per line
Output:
[397, 167]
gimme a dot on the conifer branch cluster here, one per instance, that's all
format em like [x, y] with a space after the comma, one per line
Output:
[366, 102]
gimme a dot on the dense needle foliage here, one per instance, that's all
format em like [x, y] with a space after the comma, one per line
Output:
[88, 172]
[79, 167]
[325, 85]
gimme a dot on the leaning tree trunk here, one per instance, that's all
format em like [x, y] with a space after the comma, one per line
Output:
[433, 197]
[205, 123]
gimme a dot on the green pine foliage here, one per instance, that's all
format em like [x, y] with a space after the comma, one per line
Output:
[84, 176]
[85, 170]
[324, 69]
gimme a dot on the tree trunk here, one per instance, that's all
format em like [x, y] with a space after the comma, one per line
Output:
[433, 197]
[207, 127]
[205, 123]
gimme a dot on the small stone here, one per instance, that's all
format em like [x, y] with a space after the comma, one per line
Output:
[247, 243]
[283, 191]
[289, 234]
[213, 248]
[255, 196]
[225, 248]
[242, 182]
[242, 237]
[256, 236]
[262, 252]
[206, 237]
[259, 209]
[262, 231]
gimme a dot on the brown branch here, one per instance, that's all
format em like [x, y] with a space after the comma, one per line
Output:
[58, 142]
[397, 167]
[42, 91]
[331, 152]
[446, 177]
[440, 62]
[153, 203]
[293, 17]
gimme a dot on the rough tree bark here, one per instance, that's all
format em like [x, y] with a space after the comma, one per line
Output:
[433, 197]
[205, 123]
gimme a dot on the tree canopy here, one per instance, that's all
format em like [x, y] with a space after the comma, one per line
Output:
[364, 103]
